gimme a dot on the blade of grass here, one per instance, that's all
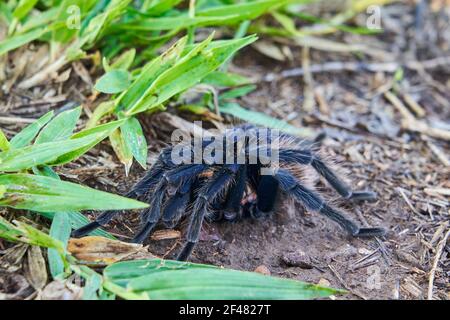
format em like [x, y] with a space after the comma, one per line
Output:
[121, 149]
[4, 143]
[134, 138]
[59, 128]
[19, 40]
[54, 153]
[43, 194]
[161, 279]
[139, 88]
[190, 70]
[60, 230]
[114, 81]
[78, 220]
[24, 137]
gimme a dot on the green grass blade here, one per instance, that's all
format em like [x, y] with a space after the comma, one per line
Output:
[138, 90]
[215, 16]
[225, 79]
[245, 10]
[19, 40]
[60, 230]
[237, 92]
[23, 7]
[134, 137]
[4, 143]
[59, 128]
[114, 81]
[93, 285]
[21, 232]
[24, 137]
[50, 153]
[95, 135]
[124, 61]
[78, 220]
[122, 273]
[121, 149]
[43, 194]
[161, 279]
[158, 7]
[190, 70]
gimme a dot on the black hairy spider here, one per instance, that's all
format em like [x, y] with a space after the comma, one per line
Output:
[250, 160]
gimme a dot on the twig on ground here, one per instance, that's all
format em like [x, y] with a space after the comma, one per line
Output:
[411, 123]
[308, 93]
[417, 108]
[13, 120]
[44, 74]
[434, 191]
[437, 257]
[339, 66]
[438, 153]
[402, 193]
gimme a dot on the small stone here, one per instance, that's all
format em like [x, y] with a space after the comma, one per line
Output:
[263, 270]
[364, 251]
[324, 282]
[297, 259]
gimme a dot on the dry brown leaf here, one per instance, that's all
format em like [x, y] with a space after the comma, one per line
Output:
[101, 250]
[14, 286]
[269, 49]
[11, 261]
[39, 58]
[81, 71]
[63, 76]
[60, 290]
[35, 268]
[165, 234]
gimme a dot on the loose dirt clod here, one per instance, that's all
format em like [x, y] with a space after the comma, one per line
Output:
[263, 270]
[297, 259]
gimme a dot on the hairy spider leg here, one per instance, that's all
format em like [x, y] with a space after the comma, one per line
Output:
[99, 221]
[218, 183]
[176, 205]
[152, 177]
[266, 189]
[266, 195]
[179, 176]
[306, 157]
[149, 181]
[253, 175]
[232, 205]
[152, 214]
[266, 198]
[146, 183]
[184, 172]
[290, 185]
[185, 178]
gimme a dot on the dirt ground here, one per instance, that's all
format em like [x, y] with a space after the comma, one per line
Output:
[369, 136]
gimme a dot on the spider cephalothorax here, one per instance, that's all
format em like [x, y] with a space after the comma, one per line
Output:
[212, 179]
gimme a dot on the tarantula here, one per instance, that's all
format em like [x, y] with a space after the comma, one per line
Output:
[242, 162]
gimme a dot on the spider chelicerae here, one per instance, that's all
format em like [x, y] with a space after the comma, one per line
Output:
[218, 177]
